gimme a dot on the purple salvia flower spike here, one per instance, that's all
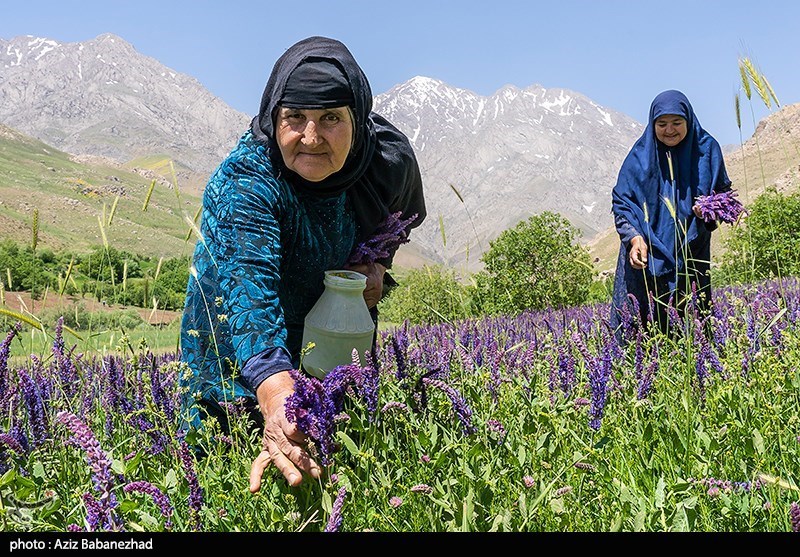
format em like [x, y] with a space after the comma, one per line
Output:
[159, 498]
[388, 236]
[335, 520]
[195, 491]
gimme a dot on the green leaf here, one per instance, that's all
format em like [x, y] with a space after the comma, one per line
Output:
[148, 519]
[348, 443]
[327, 505]
[434, 435]
[496, 522]
[442, 503]
[680, 522]
[468, 507]
[8, 477]
[522, 456]
[605, 439]
[24, 487]
[468, 473]
[557, 505]
[638, 521]
[133, 463]
[385, 481]
[758, 442]
[616, 524]
[128, 505]
[38, 470]
[542, 441]
[648, 432]
[117, 466]
[170, 480]
[704, 439]
[660, 486]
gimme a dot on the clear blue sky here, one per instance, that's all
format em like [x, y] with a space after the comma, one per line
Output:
[619, 53]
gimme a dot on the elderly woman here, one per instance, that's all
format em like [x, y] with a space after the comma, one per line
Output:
[665, 245]
[316, 173]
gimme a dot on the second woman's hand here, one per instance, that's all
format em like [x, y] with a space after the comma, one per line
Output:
[638, 253]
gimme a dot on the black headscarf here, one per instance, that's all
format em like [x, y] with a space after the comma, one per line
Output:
[381, 174]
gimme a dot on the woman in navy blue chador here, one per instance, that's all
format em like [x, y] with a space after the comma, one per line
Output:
[665, 245]
[315, 174]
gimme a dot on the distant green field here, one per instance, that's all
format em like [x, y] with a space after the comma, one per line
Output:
[100, 342]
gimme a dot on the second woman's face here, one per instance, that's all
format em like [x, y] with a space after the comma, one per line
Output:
[314, 142]
[670, 129]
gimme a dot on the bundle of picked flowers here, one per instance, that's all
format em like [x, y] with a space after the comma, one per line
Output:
[390, 234]
[721, 207]
[315, 404]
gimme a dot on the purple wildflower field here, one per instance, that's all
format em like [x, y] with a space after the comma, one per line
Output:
[511, 423]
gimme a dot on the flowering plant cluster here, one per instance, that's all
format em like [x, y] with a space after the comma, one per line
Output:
[315, 405]
[390, 234]
[723, 207]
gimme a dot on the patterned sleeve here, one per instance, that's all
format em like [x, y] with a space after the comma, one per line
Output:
[247, 235]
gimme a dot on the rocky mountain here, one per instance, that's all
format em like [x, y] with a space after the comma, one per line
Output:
[490, 162]
[102, 97]
[487, 162]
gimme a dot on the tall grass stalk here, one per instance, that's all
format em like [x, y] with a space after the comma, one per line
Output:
[469, 215]
[113, 211]
[148, 195]
[749, 74]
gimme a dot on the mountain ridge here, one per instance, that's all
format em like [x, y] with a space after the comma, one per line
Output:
[487, 161]
[102, 97]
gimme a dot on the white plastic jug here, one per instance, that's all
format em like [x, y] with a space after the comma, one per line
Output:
[338, 323]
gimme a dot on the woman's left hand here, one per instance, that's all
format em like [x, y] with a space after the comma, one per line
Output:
[374, 273]
[696, 209]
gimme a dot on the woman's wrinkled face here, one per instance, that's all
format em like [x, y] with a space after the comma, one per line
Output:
[670, 129]
[314, 143]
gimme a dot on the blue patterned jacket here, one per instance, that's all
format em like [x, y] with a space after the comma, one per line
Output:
[256, 272]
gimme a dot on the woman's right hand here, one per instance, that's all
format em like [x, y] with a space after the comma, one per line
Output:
[638, 253]
[283, 443]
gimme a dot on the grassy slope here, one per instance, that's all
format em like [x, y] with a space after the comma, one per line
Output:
[70, 196]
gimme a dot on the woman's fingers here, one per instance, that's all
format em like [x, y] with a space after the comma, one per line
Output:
[299, 458]
[638, 253]
[289, 456]
[257, 470]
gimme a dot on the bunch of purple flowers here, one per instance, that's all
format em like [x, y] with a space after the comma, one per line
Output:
[723, 207]
[315, 404]
[390, 234]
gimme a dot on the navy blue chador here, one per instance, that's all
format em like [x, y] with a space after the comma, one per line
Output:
[653, 198]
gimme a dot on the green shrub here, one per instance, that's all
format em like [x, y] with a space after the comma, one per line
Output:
[766, 244]
[535, 265]
[79, 318]
[429, 295]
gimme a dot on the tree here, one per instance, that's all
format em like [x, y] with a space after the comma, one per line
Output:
[110, 265]
[170, 285]
[428, 295]
[535, 265]
[767, 242]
